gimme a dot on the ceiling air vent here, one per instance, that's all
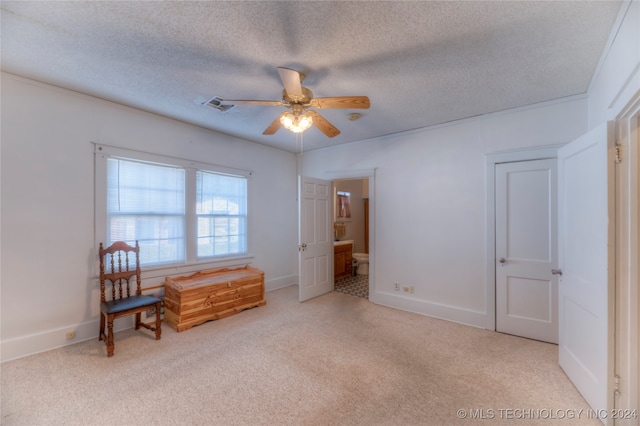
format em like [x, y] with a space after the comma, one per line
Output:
[216, 102]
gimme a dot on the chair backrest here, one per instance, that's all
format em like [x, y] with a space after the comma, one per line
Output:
[119, 269]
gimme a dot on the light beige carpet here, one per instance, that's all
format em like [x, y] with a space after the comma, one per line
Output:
[334, 360]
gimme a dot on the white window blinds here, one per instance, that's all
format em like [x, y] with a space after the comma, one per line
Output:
[221, 210]
[146, 202]
[182, 212]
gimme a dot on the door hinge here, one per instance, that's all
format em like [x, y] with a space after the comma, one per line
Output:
[618, 155]
[616, 385]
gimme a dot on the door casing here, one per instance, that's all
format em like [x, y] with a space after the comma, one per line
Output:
[366, 174]
[627, 269]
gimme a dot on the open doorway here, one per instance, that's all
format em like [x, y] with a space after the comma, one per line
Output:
[351, 237]
[365, 193]
[316, 219]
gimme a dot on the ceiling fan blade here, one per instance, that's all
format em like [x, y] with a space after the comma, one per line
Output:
[274, 126]
[321, 123]
[292, 83]
[350, 102]
[250, 102]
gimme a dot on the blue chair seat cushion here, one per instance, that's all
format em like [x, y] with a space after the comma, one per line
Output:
[120, 305]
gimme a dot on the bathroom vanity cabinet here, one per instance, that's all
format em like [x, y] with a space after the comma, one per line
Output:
[342, 260]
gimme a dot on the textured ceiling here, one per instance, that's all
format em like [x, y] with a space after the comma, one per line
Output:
[420, 63]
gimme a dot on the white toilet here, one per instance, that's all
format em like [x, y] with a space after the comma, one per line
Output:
[363, 263]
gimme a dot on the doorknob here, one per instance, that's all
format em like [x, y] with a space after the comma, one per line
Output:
[556, 271]
[302, 247]
[502, 260]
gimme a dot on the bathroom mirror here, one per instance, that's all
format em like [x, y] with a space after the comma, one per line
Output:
[343, 206]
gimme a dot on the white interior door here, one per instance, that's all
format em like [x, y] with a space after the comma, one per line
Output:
[315, 260]
[526, 291]
[586, 261]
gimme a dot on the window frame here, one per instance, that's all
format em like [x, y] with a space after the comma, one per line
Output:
[192, 262]
[243, 218]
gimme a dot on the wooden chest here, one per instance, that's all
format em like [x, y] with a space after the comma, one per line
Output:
[210, 295]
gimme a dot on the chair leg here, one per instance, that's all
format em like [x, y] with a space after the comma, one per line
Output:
[110, 344]
[101, 326]
[138, 320]
[158, 320]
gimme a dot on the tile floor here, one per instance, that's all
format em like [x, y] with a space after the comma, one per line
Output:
[357, 285]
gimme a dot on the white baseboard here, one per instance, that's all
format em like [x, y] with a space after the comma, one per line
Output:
[32, 344]
[51, 339]
[47, 340]
[281, 282]
[436, 310]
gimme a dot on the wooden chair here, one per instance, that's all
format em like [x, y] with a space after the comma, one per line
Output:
[122, 302]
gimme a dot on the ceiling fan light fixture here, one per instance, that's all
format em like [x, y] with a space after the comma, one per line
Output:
[297, 99]
[296, 123]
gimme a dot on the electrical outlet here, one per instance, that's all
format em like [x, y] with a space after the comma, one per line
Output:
[71, 335]
[412, 289]
[397, 287]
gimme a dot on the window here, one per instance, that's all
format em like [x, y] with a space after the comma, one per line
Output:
[146, 202]
[221, 211]
[180, 212]
[343, 207]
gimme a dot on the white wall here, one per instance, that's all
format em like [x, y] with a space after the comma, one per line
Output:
[430, 202]
[47, 164]
[618, 77]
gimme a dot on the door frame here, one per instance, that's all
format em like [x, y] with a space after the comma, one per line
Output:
[627, 257]
[366, 174]
[492, 159]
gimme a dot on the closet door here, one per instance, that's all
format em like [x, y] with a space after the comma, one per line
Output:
[526, 291]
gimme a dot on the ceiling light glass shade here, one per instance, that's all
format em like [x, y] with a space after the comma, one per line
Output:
[296, 123]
